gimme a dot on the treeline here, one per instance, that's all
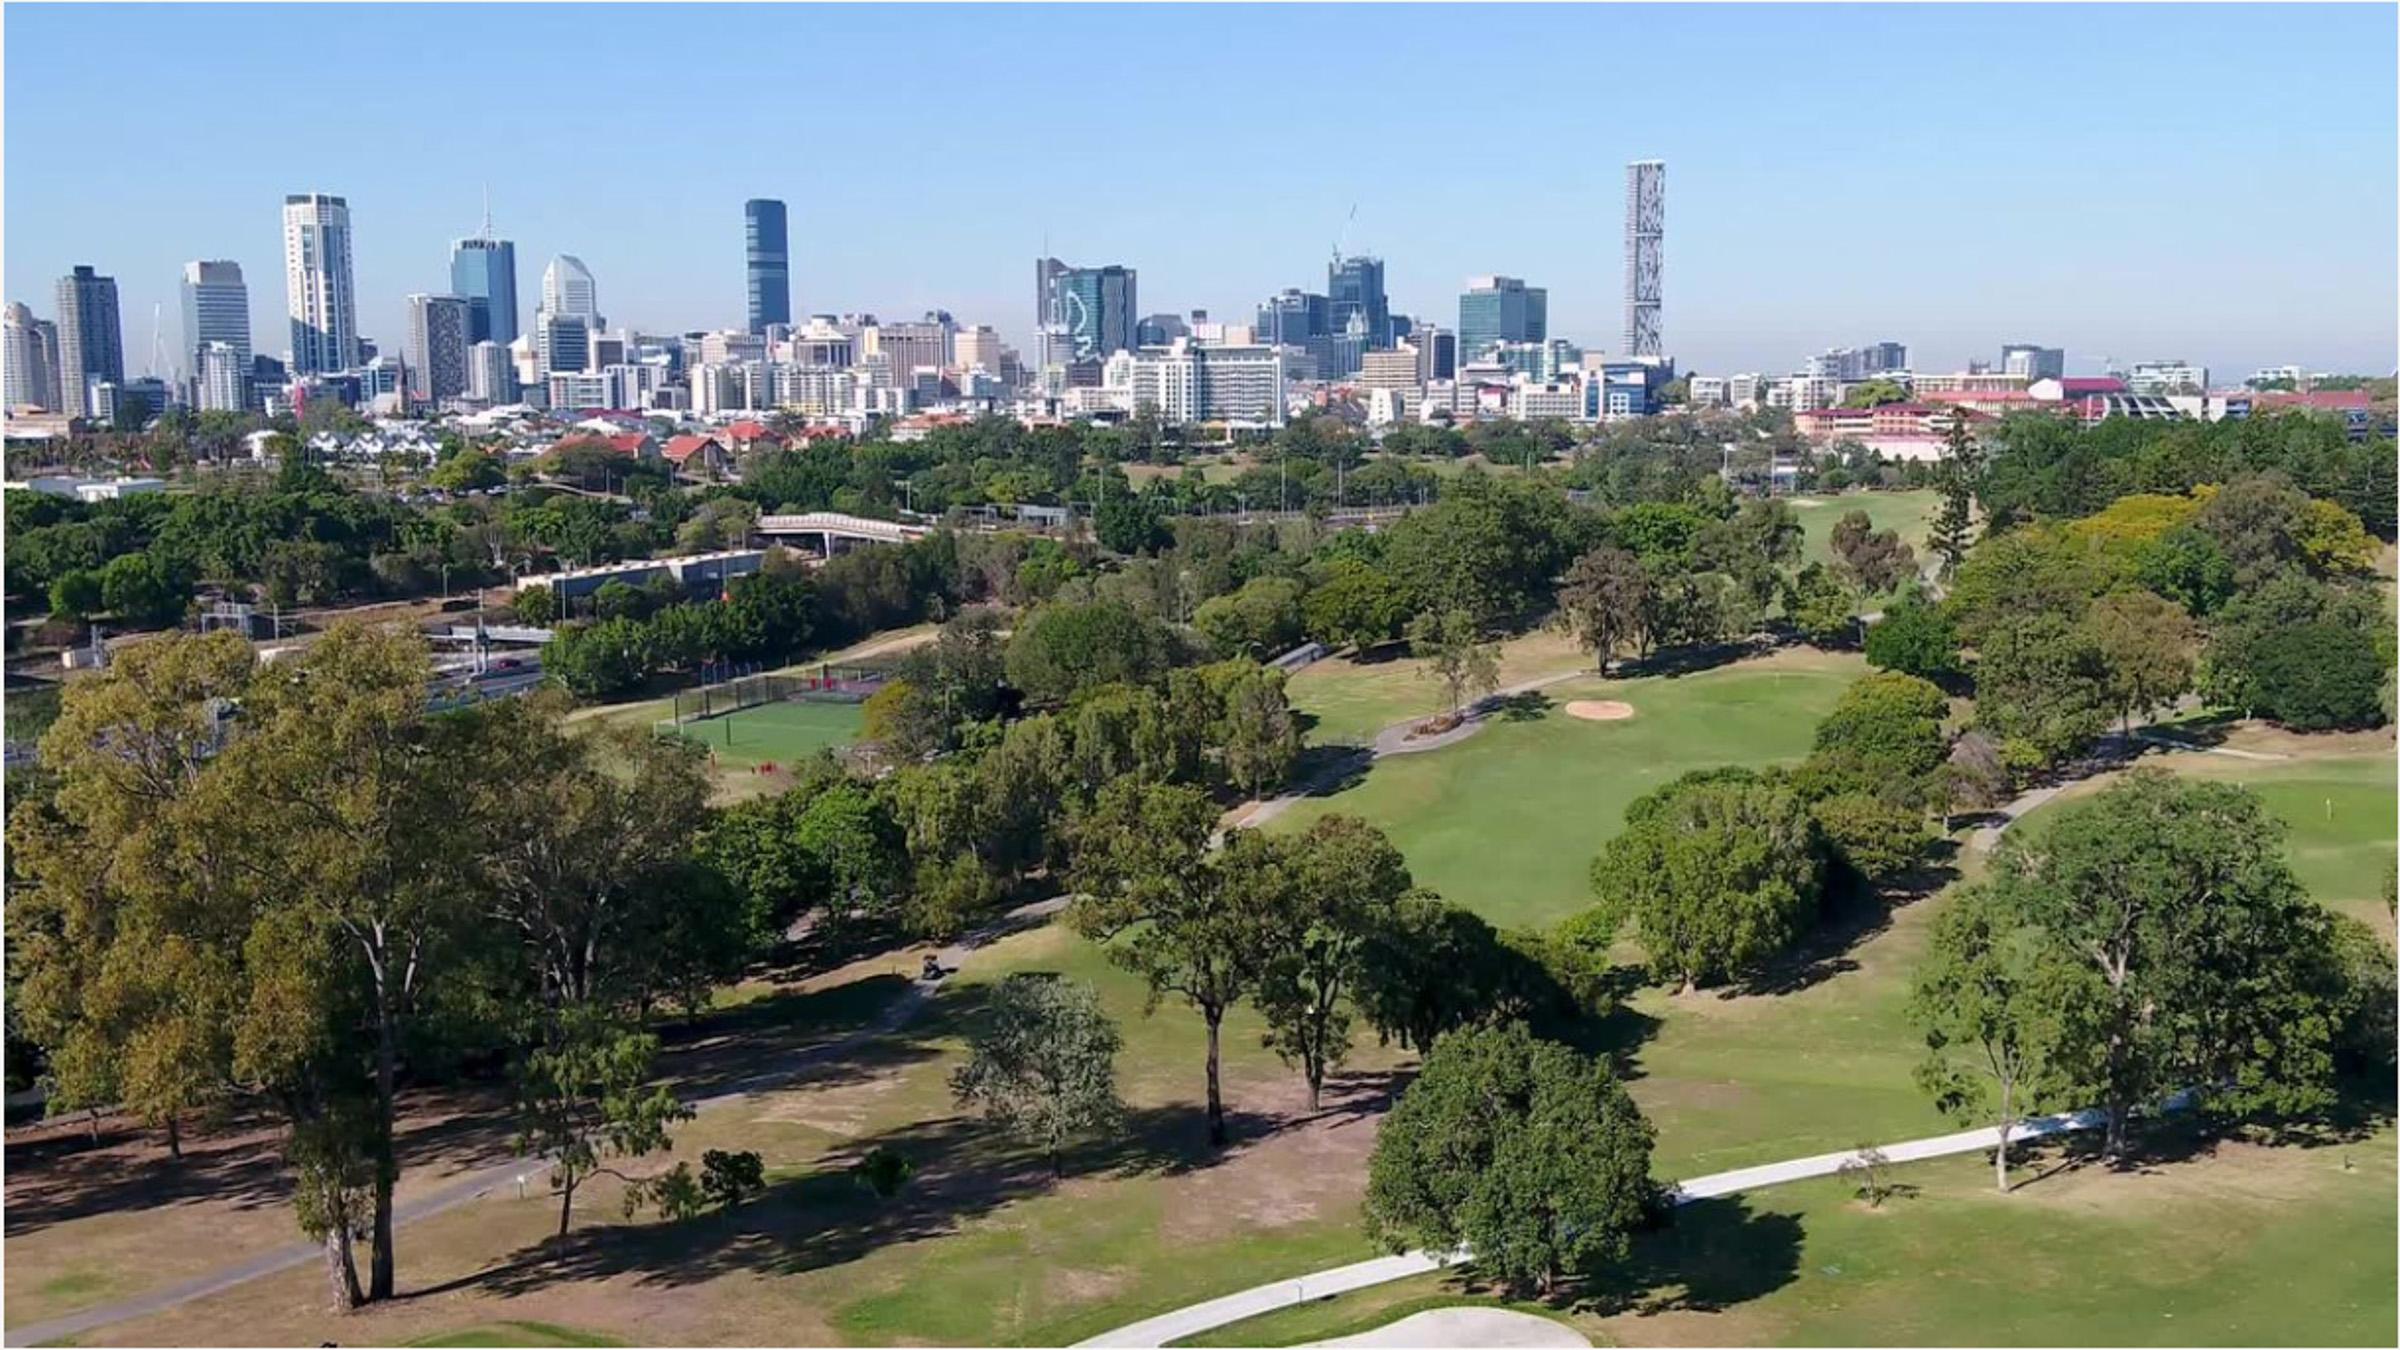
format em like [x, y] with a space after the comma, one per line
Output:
[336, 895]
[2253, 594]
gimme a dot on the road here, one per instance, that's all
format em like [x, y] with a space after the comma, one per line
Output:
[528, 1171]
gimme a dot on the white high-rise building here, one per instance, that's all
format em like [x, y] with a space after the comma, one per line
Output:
[319, 293]
[216, 308]
[223, 378]
[1196, 382]
[491, 375]
[568, 289]
[29, 351]
[437, 347]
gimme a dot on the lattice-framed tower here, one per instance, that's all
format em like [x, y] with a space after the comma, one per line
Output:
[1645, 247]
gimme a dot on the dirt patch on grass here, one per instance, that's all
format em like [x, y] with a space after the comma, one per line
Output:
[1294, 1167]
[1600, 710]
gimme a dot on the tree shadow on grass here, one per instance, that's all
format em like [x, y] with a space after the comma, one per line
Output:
[1854, 914]
[822, 1217]
[1711, 1255]
[1708, 1256]
[1327, 770]
[1673, 662]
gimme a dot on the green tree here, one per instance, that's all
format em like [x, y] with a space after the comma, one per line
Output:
[1354, 605]
[76, 594]
[1041, 1064]
[1455, 653]
[1526, 1152]
[584, 1096]
[1874, 394]
[1960, 478]
[138, 588]
[1064, 648]
[1883, 736]
[1998, 1007]
[2204, 956]
[2147, 646]
[1873, 560]
[1822, 607]
[1716, 872]
[1913, 638]
[2042, 687]
[1336, 887]
[1183, 918]
[1260, 620]
[2320, 677]
[1601, 601]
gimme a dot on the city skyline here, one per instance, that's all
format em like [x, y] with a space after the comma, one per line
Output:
[2133, 212]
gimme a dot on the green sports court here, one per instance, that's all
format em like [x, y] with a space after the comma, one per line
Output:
[782, 733]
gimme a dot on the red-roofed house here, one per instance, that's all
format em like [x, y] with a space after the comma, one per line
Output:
[633, 444]
[746, 436]
[698, 456]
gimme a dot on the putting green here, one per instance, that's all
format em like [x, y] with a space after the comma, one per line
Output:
[1908, 512]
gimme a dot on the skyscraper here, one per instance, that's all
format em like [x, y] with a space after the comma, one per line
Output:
[318, 290]
[91, 346]
[483, 272]
[222, 378]
[1645, 257]
[2032, 361]
[437, 346]
[1085, 312]
[26, 350]
[216, 308]
[568, 289]
[768, 263]
[491, 376]
[1355, 286]
[1500, 309]
[562, 343]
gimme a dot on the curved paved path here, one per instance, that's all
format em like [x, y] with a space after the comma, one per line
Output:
[1266, 1298]
[528, 1171]
[1395, 740]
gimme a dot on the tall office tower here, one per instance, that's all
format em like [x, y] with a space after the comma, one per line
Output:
[437, 346]
[483, 272]
[2033, 362]
[1294, 318]
[491, 376]
[1355, 286]
[31, 379]
[216, 308]
[1645, 257]
[1086, 312]
[1437, 352]
[319, 293]
[91, 345]
[223, 378]
[1500, 309]
[768, 262]
[568, 289]
[562, 343]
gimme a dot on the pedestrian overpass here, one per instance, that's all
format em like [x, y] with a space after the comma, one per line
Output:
[829, 526]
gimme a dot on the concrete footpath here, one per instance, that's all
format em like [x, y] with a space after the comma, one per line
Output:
[1266, 1298]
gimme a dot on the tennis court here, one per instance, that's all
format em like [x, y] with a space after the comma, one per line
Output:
[781, 733]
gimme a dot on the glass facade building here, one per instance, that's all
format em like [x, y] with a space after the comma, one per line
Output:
[767, 263]
[1500, 309]
[483, 272]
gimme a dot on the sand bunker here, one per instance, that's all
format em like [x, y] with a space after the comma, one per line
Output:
[1599, 710]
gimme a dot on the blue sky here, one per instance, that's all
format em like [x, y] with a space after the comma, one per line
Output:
[2214, 182]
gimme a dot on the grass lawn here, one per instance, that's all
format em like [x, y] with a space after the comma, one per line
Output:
[1507, 821]
[2252, 1246]
[2336, 795]
[1908, 512]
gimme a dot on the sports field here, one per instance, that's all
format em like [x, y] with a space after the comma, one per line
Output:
[776, 733]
